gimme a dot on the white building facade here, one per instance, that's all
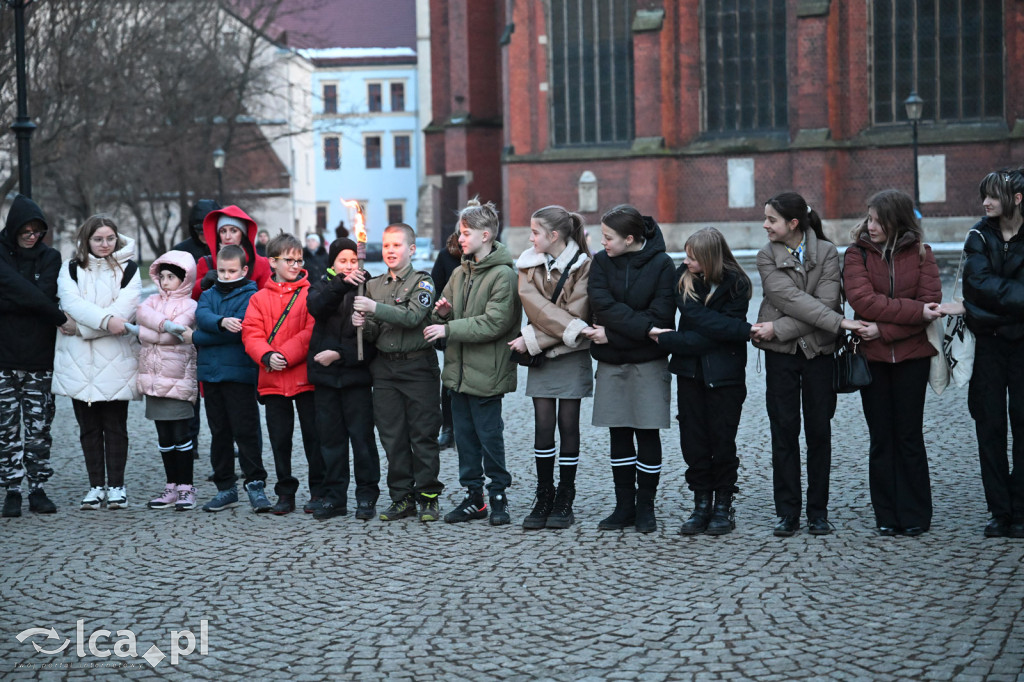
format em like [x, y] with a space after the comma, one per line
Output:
[367, 136]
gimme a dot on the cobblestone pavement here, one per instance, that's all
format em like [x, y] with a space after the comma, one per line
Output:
[293, 598]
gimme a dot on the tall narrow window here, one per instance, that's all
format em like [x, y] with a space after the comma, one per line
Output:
[744, 65]
[949, 51]
[591, 72]
[396, 212]
[373, 96]
[321, 218]
[403, 157]
[332, 152]
[398, 97]
[372, 145]
[330, 98]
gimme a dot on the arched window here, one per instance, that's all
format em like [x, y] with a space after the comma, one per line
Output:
[744, 65]
[591, 45]
[949, 51]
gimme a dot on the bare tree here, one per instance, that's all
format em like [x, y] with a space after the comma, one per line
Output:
[132, 96]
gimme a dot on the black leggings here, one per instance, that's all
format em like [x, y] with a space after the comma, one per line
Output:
[568, 418]
[175, 440]
[103, 427]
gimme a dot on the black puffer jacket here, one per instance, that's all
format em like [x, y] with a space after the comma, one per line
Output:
[329, 301]
[994, 281]
[714, 334]
[194, 244]
[630, 295]
[29, 314]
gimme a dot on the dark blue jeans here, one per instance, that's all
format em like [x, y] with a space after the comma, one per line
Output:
[480, 439]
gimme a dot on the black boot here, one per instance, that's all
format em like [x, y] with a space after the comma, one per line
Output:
[723, 518]
[39, 503]
[561, 513]
[538, 518]
[645, 521]
[12, 505]
[698, 521]
[625, 510]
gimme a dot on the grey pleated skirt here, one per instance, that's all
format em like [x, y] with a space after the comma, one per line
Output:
[633, 395]
[567, 376]
[167, 409]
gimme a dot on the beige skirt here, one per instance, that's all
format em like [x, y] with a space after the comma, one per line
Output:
[567, 376]
[637, 396]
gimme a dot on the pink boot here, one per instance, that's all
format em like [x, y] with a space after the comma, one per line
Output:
[186, 498]
[167, 500]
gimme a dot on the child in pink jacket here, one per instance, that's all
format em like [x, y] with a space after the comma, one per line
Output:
[167, 372]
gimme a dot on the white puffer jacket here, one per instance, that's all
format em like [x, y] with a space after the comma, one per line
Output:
[94, 365]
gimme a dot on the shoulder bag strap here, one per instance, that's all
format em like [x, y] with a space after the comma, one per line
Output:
[280, 320]
[565, 276]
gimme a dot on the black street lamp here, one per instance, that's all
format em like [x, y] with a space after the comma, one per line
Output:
[915, 105]
[23, 125]
[219, 157]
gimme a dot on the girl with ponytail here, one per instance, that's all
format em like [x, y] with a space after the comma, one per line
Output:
[797, 326]
[553, 276]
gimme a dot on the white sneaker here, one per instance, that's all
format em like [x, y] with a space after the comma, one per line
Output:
[117, 498]
[94, 498]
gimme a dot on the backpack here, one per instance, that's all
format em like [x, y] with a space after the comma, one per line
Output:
[126, 276]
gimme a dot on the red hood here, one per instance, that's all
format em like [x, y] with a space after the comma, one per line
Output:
[288, 288]
[210, 231]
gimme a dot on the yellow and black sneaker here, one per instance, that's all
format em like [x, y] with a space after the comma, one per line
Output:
[429, 509]
[399, 509]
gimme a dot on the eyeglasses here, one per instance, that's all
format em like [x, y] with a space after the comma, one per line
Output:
[292, 261]
[32, 234]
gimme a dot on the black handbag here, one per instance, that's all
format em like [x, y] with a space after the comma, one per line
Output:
[850, 371]
[525, 359]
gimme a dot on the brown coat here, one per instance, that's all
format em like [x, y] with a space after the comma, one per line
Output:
[800, 300]
[893, 296]
[554, 328]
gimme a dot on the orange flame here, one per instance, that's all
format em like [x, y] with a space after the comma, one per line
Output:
[360, 224]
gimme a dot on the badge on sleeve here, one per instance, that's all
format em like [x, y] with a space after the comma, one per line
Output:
[424, 284]
[425, 299]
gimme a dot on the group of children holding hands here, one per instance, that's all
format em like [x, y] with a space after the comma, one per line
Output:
[267, 329]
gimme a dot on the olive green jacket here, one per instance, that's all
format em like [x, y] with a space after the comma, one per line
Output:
[485, 316]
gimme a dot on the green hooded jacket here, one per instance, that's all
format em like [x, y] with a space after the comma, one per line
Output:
[485, 316]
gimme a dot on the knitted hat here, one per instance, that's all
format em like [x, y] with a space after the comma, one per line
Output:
[231, 220]
[337, 246]
[173, 269]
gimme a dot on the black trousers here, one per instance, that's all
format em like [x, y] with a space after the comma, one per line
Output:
[343, 416]
[234, 417]
[281, 427]
[708, 421]
[103, 430]
[901, 492]
[792, 381]
[997, 390]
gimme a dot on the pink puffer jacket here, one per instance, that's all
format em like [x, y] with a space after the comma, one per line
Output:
[167, 367]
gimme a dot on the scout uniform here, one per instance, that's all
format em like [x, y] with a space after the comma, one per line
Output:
[406, 385]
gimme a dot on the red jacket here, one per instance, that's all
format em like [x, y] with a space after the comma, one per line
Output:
[893, 296]
[259, 267]
[291, 341]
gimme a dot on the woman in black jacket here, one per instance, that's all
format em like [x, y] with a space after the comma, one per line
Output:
[709, 357]
[994, 301]
[344, 402]
[630, 291]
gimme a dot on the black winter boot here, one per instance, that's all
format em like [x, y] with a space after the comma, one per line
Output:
[12, 505]
[561, 513]
[723, 518]
[39, 503]
[698, 521]
[538, 518]
[645, 521]
[625, 510]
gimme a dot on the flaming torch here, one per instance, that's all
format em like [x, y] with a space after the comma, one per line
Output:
[360, 227]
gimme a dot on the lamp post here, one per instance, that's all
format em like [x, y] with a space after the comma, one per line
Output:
[23, 125]
[915, 105]
[219, 156]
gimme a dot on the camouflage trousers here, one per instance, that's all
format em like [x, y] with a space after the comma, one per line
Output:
[25, 398]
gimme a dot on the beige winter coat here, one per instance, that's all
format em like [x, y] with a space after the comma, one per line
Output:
[554, 328]
[800, 300]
